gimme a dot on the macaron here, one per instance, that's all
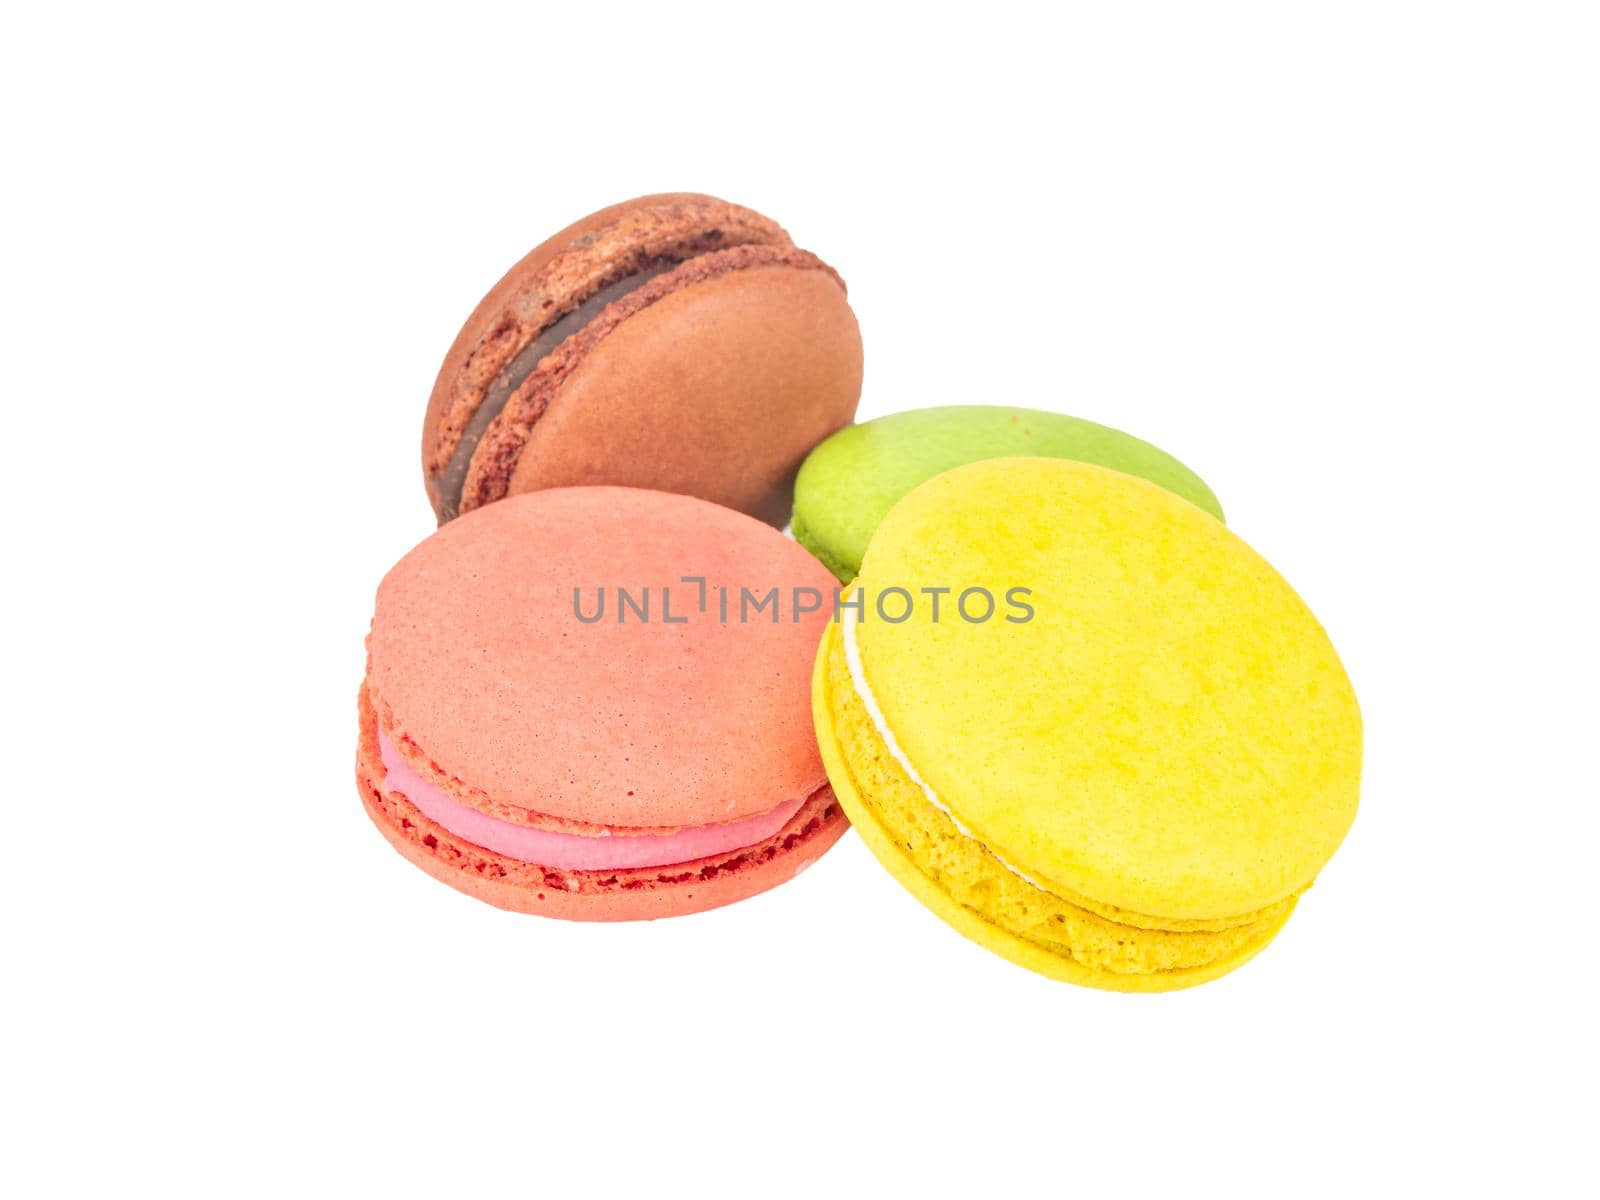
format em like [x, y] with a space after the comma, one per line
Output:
[1085, 724]
[849, 482]
[675, 342]
[594, 703]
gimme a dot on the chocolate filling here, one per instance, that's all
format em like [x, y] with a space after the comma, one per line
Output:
[449, 482]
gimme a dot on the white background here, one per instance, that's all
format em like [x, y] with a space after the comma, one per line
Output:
[1342, 259]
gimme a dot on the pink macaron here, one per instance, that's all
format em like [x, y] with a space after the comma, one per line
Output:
[594, 703]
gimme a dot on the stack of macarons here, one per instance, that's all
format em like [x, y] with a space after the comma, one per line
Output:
[1064, 705]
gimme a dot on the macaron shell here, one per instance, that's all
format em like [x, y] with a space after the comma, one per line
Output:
[850, 482]
[591, 896]
[718, 391]
[484, 677]
[1172, 732]
[1024, 953]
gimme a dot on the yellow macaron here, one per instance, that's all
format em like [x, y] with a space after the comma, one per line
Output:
[1086, 724]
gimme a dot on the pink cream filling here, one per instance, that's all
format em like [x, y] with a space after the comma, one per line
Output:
[570, 851]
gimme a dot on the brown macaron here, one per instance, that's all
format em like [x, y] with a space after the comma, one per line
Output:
[674, 342]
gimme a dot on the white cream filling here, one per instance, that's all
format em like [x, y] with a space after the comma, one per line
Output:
[858, 680]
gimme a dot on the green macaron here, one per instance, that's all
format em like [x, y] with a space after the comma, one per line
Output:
[849, 483]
